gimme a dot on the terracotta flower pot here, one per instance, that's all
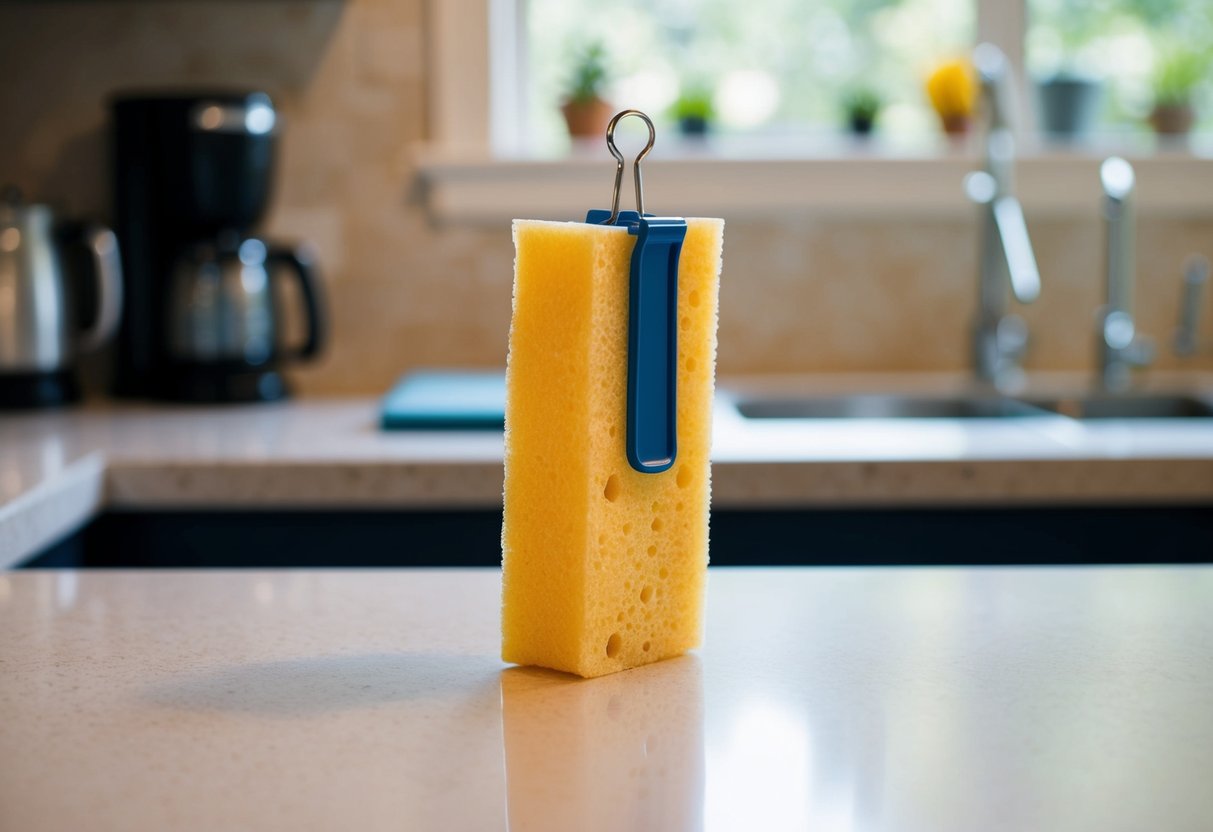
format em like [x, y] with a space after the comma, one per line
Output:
[954, 124]
[587, 118]
[1172, 119]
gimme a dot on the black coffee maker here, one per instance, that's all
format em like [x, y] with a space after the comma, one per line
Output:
[201, 318]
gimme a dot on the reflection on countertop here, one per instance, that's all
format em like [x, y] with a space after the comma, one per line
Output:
[617, 752]
[875, 699]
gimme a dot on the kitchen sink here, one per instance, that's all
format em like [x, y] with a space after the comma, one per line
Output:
[882, 406]
[1132, 406]
[893, 406]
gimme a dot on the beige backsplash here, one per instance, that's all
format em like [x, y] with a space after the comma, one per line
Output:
[798, 294]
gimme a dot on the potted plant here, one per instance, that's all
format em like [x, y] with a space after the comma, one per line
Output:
[586, 111]
[693, 111]
[1068, 96]
[1175, 77]
[1069, 102]
[861, 105]
[952, 88]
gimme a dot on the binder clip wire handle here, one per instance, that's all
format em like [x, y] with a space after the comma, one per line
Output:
[610, 139]
[651, 440]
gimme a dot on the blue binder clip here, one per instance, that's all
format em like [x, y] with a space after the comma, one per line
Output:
[652, 412]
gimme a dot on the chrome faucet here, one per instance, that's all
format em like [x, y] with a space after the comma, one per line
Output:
[1120, 348]
[1000, 338]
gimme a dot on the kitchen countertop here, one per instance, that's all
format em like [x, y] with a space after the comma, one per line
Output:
[874, 699]
[58, 470]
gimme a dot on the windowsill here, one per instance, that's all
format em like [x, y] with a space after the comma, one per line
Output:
[845, 179]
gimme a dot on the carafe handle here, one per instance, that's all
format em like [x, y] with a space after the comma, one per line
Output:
[103, 246]
[299, 263]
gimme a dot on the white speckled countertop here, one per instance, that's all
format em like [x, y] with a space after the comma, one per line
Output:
[57, 470]
[868, 699]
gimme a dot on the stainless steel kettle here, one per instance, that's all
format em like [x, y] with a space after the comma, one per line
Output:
[41, 303]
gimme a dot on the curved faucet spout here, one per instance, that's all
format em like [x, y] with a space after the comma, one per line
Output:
[993, 70]
[1007, 263]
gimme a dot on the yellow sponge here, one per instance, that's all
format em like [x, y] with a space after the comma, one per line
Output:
[604, 566]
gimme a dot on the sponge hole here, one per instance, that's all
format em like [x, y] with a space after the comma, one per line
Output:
[694, 297]
[652, 551]
[614, 643]
[613, 488]
[682, 478]
[657, 524]
[646, 594]
[645, 647]
[691, 365]
[664, 573]
[685, 322]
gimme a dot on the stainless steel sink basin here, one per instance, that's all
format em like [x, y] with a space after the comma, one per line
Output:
[1132, 406]
[877, 406]
[890, 406]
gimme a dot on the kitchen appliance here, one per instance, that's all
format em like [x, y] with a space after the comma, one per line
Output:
[224, 334]
[51, 311]
[192, 177]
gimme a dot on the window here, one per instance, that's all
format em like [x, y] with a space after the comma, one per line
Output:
[1130, 51]
[782, 68]
[498, 148]
[771, 67]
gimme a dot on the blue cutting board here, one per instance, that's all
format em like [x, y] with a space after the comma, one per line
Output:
[446, 400]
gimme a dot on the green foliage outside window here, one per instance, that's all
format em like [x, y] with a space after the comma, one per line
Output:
[1141, 50]
[771, 67]
[785, 68]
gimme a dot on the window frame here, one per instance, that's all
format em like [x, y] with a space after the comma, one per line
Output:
[472, 170]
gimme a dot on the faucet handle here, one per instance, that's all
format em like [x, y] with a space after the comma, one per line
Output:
[1017, 246]
[1187, 333]
[1012, 228]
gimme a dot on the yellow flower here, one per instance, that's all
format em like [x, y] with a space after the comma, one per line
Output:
[952, 88]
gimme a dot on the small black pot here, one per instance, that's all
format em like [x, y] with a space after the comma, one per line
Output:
[693, 125]
[860, 124]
